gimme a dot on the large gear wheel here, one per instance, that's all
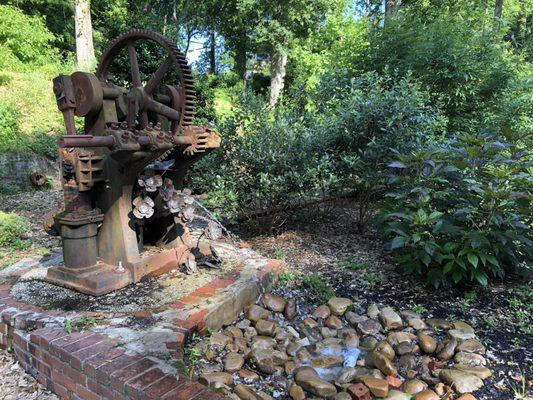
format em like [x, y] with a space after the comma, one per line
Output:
[182, 97]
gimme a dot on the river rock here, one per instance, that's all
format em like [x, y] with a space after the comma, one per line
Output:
[427, 343]
[460, 381]
[354, 319]
[372, 311]
[471, 346]
[405, 348]
[461, 335]
[390, 318]
[310, 322]
[408, 314]
[378, 387]
[279, 357]
[417, 323]
[351, 340]
[263, 360]
[292, 348]
[427, 395]
[368, 343]
[446, 349]
[245, 392]
[305, 372]
[233, 362]
[467, 396]
[273, 302]
[407, 362]
[369, 327]
[382, 363]
[469, 359]
[322, 312]
[250, 333]
[262, 342]
[233, 331]
[327, 332]
[441, 324]
[303, 356]
[248, 376]
[327, 362]
[243, 324]
[339, 305]
[479, 371]
[296, 392]
[289, 367]
[312, 335]
[318, 387]
[255, 313]
[414, 386]
[397, 395]
[290, 309]
[211, 378]
[395, 338]
[463, 326]
[219, 340]
[265, 328]
[343, 396]
[386, 349]
[333, 322]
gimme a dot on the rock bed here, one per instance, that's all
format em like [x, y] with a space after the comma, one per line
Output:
[341, 350]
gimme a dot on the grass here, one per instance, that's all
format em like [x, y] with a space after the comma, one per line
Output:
[466, 302]
[521, 309]
[319, 286]
[419, 309]
[286, 277]
[352, 264]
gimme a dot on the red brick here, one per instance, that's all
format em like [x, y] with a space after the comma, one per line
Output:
[135, 386]
[74, 375]
[56, 346]
[162, 386]
[181, 338]
[44, 336]
[119, 378]
[103, 391]
[60, 390]
[83, 343]
[104, 371]
[186, 391]
[54, 362]
[176, 305]
[85, 394]
[78, 357]
[184, 324]
[63, 380]
[92, 364]
[190, 299]
[209, 395]
[21, 341]
[43, 368]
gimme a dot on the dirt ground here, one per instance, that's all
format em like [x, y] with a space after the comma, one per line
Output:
[327, 245]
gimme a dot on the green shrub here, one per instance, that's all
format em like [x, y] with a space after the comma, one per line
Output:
[9, 126]
[461, 212]
[12, 228]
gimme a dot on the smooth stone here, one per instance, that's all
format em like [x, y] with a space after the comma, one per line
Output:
[409, 314]
[405, 348]
[369, 327]
[245, 392]
[343, 396]
[328, 333]
[296, 392]
[372, 311]
[262, 342]
[463, 326]
[305, 372]
[386, 349]
[210, 379]
[351, 340]
[427, 395]
[292, 348]
[318, 387]
[255, 313]
[469, 359]
[382, 363]
[327, 362]
[439, 324]
[243, 324]
[303, 356]
[219, 340]
[417, 323]
[479, 371]
[263, 360]
[333, 322]
[395, 338]
[279, 357]
[462, 382]
[427, 343]
[233, 331]
[265, 328]
[397, 395]
[322, 311]
[471, 346]
[378, 387]
[339, 305]
[310, 322]
[354, 319]
[290, 366]
[290, 309]
[312, 335]
[233, 362]
[248, 376]
[446, 349]
[273, 302]
[414, 386]
[460, 335]
[390, 318]
[368, 343]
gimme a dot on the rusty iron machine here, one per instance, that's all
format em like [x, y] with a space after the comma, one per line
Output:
[125, 210]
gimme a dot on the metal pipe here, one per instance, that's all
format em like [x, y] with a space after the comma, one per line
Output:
[86, 141]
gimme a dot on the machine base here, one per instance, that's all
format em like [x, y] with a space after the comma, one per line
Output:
[100, 279]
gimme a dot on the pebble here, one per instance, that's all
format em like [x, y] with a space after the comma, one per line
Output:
[395, 338]
[461, 381]
[219, 340]
[248, 376]
[479, 371]
[417, 323]
[343, 396]
[414, 386]
[322, 312]
[427, 395]
[446, 349]
[441, 324]
[397, 395]
[310, 322]
[460, 335]
[318, 387]
[378, 387]
[233, 331]
[427, 343]
[339, 305]
[369, 327]
[390, 318]
[469, 359]
[265, 328]
[274, 303]
[382, 363]
[245, 392]
[255, 313]
[296, 392]
[386, 349]
[333, 322]
[471, 346]
[233, 362]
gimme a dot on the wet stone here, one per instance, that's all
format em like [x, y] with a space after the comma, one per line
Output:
[405, 348]
[210, 379]
[343, 396]
[353, 318]
[414, 386]
[417, 323]
[220, 340]
[440, 324]
[461, 335]
[327, 332]
[407, 362]
[395, 338]
[461, 381]
[296, 392]
[368, 343]
[446, 349]
[248, 376]
[471, 346]
[245, 392]
[386, 349]
[427, 343]
[397, 395]
[233, 331]
[390, 318]
[378, 387]
[479, 371]
[310, 322]
[463, 326]
[469, 359]
[372, 311]
[382, 363]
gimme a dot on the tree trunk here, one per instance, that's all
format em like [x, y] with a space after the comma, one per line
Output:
[84, 35]
[240, 60]
[277, 79]
[498, 9]
[212, 54]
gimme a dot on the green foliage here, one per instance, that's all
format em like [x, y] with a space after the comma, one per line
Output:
[353, 264]
[461, 212]
[13, 227]
[320, 287]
